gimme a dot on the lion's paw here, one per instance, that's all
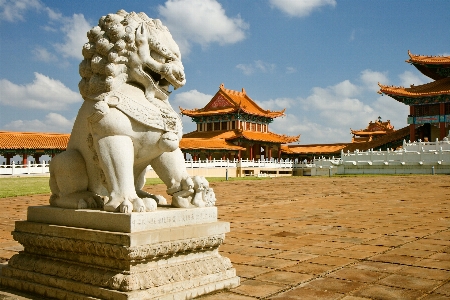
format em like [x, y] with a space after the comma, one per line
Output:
[82, 204]
[138, 205]
[160, 199]
[126, 207]
[150, 204]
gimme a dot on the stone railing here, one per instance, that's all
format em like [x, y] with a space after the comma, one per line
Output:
[416, 153]
[30, 168]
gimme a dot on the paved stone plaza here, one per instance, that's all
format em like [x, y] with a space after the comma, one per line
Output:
[365, 237]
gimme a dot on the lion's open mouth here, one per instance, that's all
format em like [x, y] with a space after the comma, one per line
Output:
[158, 81]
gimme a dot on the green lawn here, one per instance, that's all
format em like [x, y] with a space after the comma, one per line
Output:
[22, 186]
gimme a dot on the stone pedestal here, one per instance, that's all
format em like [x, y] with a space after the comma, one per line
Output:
[91, 254]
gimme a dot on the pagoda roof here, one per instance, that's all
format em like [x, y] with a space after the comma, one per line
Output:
[204, 143]
[430, 65]
[227, 101]
[230, 135]
[313, 148]
[374, 128]
[432, 89]
[33, 140]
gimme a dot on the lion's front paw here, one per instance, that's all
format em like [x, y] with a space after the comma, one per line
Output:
[150, 204]
[126, 207]
[138, 205]
[82, 204]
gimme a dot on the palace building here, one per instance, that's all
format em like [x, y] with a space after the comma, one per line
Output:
[31, 144]
[429, 104]
[373, 131]
[231, 126]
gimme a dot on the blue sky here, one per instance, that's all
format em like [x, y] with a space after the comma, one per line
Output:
[319, 59]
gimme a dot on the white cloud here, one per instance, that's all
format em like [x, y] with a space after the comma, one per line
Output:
[52, 123]
[14, 10]
[372, 78]
[257, 66]
[74, 30]
[43, 54]
[277, 104]
[43, 93]
[408, 78]
[300, 8]
[389, 109]
[290, 70]
[202, 22]
[191, 99]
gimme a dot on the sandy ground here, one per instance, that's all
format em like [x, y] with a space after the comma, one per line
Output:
[365, 237]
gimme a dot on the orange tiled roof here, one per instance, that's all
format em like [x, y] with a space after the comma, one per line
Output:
[249, 135]
[227, 101]
[430, 66]
[375, 128]
[429, 60]
[435, 88]
[314, 148]
[33, 140]
[204, 143]
[399, 134]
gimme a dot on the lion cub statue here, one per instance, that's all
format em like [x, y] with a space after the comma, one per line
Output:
[126, 122]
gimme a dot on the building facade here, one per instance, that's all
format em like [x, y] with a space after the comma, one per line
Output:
[429, 104]
[232, 125]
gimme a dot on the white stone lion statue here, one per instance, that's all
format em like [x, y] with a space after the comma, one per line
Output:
[126, 122]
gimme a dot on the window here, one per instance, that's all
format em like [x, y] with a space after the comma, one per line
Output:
[216, 125]
[247, 126]
[253, 127]
[426, 110]
[233, 124]
[224, 125]
[209, 127]
[259, 127]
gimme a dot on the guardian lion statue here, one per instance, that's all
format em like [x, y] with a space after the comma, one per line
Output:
[126, 122]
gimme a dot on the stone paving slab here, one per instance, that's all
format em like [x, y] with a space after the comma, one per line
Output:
[349, 238]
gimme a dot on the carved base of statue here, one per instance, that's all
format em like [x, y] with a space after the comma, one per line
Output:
[93, 254]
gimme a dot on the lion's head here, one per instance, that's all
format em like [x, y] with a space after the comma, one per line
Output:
[130, 47]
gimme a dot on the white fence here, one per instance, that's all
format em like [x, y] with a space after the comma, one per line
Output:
[30, 168]
[412, 154]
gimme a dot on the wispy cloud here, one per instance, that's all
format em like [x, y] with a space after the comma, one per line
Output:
[327, 113]
[43, 54]
[74, 29]
[52, 122]
[300, 8]
[201, 22]
[43, 93]
[14, 10]
[191, 99]
[257, 66]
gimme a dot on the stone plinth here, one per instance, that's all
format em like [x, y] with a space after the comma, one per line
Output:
[168, 254]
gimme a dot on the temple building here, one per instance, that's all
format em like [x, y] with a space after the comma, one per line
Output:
[429, 104]
[373, 131]
[231, 126]
[31, 144]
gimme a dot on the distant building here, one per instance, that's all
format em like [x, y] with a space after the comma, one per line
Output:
[31, 144]
[429, 104]
[232, 125]
[372, 132]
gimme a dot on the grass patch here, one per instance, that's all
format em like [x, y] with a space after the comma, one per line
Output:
[22, 186]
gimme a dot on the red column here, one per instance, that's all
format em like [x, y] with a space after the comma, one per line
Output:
[25, 159]
[269, 151]
[412, 127]
[442, 124]
[36, 158]
[251, 152]
[8, 158]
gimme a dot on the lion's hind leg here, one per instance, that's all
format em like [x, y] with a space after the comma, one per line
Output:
[69, 182]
